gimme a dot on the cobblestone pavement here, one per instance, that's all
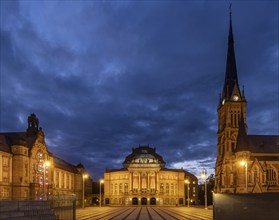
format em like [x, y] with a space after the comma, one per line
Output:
[144, 213]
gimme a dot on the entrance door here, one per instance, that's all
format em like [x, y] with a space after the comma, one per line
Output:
[135, 201]
[153, 201]
[143, 201]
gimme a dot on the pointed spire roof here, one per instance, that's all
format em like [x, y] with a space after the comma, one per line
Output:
[242, 138]
[231, 71]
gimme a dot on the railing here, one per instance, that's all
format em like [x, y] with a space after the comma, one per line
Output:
[63, 206]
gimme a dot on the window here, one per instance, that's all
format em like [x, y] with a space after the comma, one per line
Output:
[5, 193]
[115, 189]
[126, 188]
[120, 188]
[5, 161]
[5, 176]
[57, 180]
[26, 170]
[271, 176]
[172, 189]
[68, 181]
[162, 188]
[62, 180]
[25, 194]
[167, 188]
[72, 181]
[194, 189]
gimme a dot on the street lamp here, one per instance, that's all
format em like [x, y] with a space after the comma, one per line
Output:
[84, 176]
[188, 189]
[203, 175]
[244, 163]
[100, 202]
[46, 164]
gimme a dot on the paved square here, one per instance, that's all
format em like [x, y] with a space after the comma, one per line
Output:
[144, 213]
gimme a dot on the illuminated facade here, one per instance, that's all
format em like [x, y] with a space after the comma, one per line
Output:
[144, 180]
[29, 171]
[245, 163]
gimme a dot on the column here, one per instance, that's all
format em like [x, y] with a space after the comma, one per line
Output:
[156, 181]
[10, 170]
[131, 182]
[139, 182]
[54, 178]
[1, 169]
[59, 179]
[70, 181]
[147, 176]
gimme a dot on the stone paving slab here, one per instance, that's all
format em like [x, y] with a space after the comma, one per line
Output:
[143, 213]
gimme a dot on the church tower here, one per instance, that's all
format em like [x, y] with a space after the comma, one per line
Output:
[232, 106]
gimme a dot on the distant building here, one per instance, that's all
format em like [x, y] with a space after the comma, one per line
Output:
[29, 171]
[259, 153]
[144, 180]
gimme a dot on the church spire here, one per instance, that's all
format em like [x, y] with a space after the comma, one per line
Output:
[231, 72]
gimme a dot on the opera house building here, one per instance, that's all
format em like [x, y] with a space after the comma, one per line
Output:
[144, 180]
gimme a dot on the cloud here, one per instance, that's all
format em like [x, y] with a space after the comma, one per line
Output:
[104, 77]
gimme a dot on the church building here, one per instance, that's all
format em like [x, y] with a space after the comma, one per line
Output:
[245, 163]
[144, 180]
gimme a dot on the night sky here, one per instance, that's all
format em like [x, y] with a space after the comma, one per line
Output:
[104, 77]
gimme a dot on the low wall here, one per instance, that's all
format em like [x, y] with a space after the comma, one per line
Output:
[246, 206]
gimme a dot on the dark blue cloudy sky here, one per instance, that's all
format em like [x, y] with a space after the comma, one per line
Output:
[106, 76]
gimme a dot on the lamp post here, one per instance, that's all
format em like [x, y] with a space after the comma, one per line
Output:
[188, 189]
[203, 175]
[244, 163]
[100, 202]
[46, 164]
[84, 176]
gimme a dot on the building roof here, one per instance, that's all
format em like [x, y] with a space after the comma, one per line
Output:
[15, 138]
[144, 154]
[263, 143]
[242, 140]
[231, 79]
[115, 170]
[62, 164]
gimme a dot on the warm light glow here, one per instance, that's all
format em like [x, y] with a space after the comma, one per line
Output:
[243, 163]
[187, 181]
[101, 181]
[157, 199]
[47, 164]
[85, 176]
[130, 199]
[148, 199]
[203, 175]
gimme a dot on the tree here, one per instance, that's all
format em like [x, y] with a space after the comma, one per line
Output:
[210, 187]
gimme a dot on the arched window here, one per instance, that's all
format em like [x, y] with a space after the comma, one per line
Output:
[271, 176]
[172, 189]
[167, 188]
[256, 175]
[162, 188]
[126, 188]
